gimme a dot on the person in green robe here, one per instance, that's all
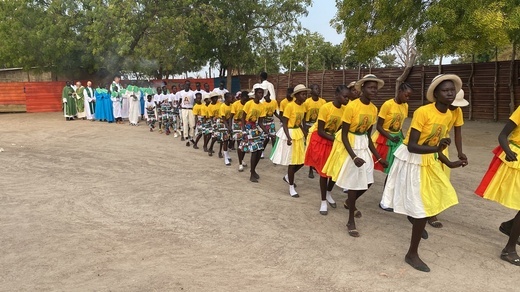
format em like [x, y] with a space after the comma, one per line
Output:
[80, 100]
[69, 102]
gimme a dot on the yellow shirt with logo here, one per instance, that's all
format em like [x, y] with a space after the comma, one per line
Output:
[225, 111]
[284, 103]
[394, 115]
[331, 116]
[237, 109]
[514, 137]
[312, 108]
[197, 110]
[269, 109]
[214, 109]
[253, 111]
[295, 114]
[431, 123]
[360, 116]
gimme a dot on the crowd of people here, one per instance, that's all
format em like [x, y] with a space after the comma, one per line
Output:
[335, 139]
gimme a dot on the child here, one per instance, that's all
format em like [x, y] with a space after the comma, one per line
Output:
[238, 111]
[150, 112]
[416, 185]
[200, 112]
[270, 107]
[252, 128]
[174, 100]
[389, 134]
[312, 107]
[350, 162]
[457, 120]
[290, 146]
[320, 139]
[158, 100]
[288, 99]
[214, 113]
[225, 126]
[500, 183]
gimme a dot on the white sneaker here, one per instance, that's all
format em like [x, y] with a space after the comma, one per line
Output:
[175, 135]
[244, 164]
[240, 168]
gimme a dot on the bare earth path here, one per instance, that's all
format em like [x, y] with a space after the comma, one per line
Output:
[90, 206]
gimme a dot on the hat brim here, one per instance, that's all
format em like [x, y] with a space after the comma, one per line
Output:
[452, 77]
[360, 82]
[300, 90]
[460, 103]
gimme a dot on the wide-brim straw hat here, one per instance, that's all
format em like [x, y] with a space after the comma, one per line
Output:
[299, 88]
[366, 78]
[214, 94]
[351, 84]
[438, 80]
[459, 100]
[205, 97]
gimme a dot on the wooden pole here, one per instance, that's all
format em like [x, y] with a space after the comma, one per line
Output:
[322, 80]
[344, 77]
[495, 87]
[289, 78]
[470, 86]
[277, 86]
[512, 80]
[423, 77]
[440, 65]
[307, 71]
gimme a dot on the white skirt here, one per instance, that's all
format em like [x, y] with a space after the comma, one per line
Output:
[417, 186]
[352, 177]
[283, 154]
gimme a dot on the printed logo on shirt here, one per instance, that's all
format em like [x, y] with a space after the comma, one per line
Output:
[255, 114]
[396, 122]
[313, 114]
[298, 120]
[332, 124]
[435, 136]
[365, 121]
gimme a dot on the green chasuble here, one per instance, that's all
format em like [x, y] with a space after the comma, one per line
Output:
[69, 102]
[80, 99]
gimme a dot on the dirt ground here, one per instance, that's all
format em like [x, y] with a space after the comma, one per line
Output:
[91, 206]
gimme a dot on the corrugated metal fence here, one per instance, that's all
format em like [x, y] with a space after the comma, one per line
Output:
[31, 97]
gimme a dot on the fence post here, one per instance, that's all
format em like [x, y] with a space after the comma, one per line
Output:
[512, 81]
[470, 86]
[495, 88]
[422, 84]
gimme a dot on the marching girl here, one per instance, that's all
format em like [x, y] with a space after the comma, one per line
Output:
[457, 120]
[238, 111]
[312, 107]
[214, 117]
[270, 107]
[150, 112]
[320, 139]
[501, 183]
[350, 162]
[157, 98]
[389, 134]
[225, 126]
[288, 99]
[253, 127]
[289, 148]
[199, 111]
[416, 185]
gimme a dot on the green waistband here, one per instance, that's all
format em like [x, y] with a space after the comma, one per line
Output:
[357, 134]
[514, 144]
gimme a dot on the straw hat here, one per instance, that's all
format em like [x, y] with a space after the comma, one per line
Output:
[351, 84]
[214, 94]
[205, 96]
[299, 88]
[258, 86]
[438, 80]
[459, 100]
[369, 77]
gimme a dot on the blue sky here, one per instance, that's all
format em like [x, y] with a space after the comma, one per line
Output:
[318, 20]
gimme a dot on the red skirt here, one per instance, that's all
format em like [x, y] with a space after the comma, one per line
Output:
[318, 152]
[490, 173]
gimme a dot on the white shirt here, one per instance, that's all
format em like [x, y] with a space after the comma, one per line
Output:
[157, 98]
[270, 89]
[186, 98]
[148, 104]
[86, 96]
[174, 99]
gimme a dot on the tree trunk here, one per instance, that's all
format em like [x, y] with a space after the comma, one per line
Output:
[344, 77]
[440, 65]
[289, 77]
[229, 78]
[512, 80]
[470, 86]
[359, 72]
[407, 69]
[495, 88]
[423, 77]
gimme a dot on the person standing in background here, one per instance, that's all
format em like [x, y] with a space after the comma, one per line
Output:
[90, 101]
[268, 86]
[69, 102]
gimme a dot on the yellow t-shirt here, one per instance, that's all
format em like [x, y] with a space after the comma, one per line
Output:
[431, 123]
[253, 111]
[284, 103]
[331, 116]
[206, 111]
[269, 109]
[295, 113]
[360, 116]
[312, 108]
[394, 115]
[237, 109]
[225, 111]
[197, 110]
[514, 137]
[214, 110]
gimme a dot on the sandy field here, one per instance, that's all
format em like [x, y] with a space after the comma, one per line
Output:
[91, 206]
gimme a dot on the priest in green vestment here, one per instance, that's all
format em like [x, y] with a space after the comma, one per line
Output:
[80, 100]
[69, 102]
